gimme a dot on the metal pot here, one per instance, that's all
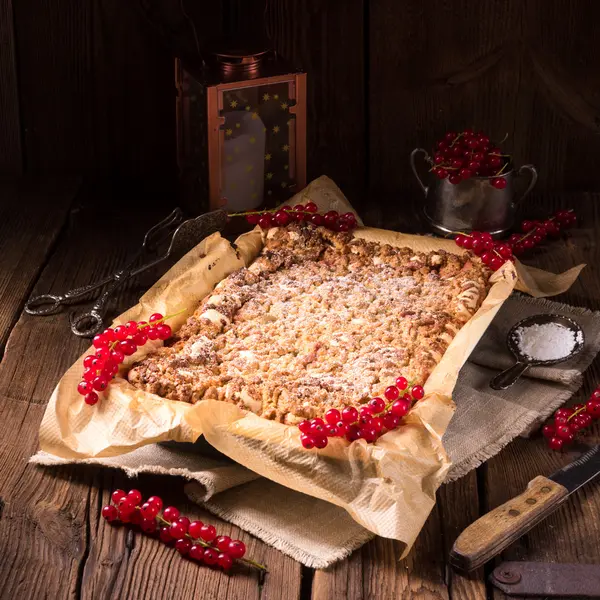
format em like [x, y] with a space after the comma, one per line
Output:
[473, 204]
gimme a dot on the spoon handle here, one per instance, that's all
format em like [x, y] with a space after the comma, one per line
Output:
[507, 378]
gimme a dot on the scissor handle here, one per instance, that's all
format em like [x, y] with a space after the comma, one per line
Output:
[88, 324]
[46, 304]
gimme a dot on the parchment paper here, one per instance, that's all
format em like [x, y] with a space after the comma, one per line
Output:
[388, 487]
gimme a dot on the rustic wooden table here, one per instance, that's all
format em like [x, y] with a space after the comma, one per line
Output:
[53, 542]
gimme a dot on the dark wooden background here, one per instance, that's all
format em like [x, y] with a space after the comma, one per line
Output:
[86, 86]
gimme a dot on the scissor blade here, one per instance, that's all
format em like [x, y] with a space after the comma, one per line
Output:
[580, 471]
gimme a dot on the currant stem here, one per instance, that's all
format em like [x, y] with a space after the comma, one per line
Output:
[579, 410]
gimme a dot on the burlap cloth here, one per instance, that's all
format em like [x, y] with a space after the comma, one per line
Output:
[317, 533]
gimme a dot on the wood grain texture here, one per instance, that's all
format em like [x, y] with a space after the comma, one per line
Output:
[498, 66]
[571, 533]
[375, 572]
[326, 40]
[26, 238]
[53, 542]
[10, 123]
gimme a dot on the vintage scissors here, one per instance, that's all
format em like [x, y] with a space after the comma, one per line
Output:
[184, 235]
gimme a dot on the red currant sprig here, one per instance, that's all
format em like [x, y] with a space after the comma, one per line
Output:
[280, 217]
[495, 253]
[368, 422]
[112, 346]
[195, 539]
[460, 156]
[569, 421]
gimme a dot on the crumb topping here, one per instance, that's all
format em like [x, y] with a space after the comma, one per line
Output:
[319, 320]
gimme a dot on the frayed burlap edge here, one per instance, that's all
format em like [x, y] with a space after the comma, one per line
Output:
[270, 537]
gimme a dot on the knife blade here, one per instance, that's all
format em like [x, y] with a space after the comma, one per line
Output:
[492, 533]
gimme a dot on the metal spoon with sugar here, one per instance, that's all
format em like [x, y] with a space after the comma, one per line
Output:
[509, 377]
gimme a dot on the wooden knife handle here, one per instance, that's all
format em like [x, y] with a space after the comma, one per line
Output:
[492, 533]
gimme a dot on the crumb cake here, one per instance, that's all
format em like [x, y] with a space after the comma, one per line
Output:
[318, 320]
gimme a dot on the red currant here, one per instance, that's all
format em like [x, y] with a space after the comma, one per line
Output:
[311, 207]
[548, 430]
[164, 332]
[353, 433]
[171, 514]
[307, 441]
[400, 408]
[91, 398]
[140, 338]
[84, 387]
[224, 561]
[563, 431]
[282, 218]
[390, 420]
[196, 552]
[496, 263]
[266, 221]
[110, 513]
[504, 250]
[117, 496]
[177, 530]
[317, 220]
[210, 556]
[304, 426]
[592, 407]
[99, 341]
[330, 218]
[377, 405]
[149, 511]
[349, 415]
[194, 529]
[222, 543]
[100, 383]
[149, 526]
[392, 393]
[455, 179]
[332, 416]
[556, 443]
[236, 549]
[320, 441]
[155, 317]
[498, 182]
[440, 172]
[117, 356]
[183, 546]
[417, 392]
[127, 347]
[164, 535]
[369, 434]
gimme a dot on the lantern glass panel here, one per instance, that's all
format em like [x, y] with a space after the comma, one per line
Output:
[258, 134]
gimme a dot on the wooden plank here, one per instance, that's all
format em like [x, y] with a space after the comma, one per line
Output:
[50, 526]
[570, 534]
[374, 571]
[332, 53]
[54, 53]
[26, 238]
[10, 125]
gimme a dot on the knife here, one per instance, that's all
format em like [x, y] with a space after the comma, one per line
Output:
[492, 533]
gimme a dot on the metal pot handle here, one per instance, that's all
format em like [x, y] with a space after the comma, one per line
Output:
[534, 177]
[414, 168]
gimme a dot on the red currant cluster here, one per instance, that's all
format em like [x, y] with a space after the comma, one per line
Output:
[368, 422]
[568, 421]
[194, 539]
[301, 212]
[468, 154]
[495, 253]
[112, 346]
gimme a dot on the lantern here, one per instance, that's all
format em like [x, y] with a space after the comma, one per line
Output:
[241, 130]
